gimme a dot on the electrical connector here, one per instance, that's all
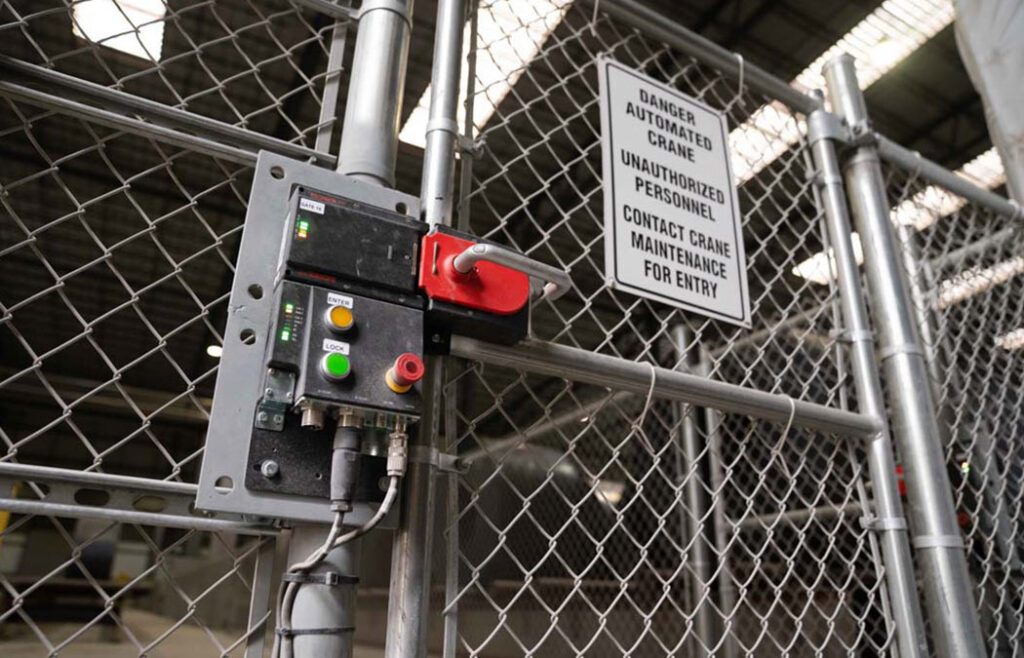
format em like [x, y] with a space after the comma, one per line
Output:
[398, 453]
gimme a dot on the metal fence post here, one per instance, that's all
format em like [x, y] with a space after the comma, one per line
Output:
[888, 520]
[369, 146]
[694, 515]
[716, 474]
[940, 550]
[409, 602]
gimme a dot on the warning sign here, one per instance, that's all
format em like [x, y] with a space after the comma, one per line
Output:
[672, 223]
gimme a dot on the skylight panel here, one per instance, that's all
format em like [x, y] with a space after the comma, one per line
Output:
[919, 211]
[510, 34]
[1013, 340]
[135, 27]
[879, 42]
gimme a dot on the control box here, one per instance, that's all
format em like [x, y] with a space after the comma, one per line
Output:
[339, 291]
[346, 338]
[346, 245]
[341, 347]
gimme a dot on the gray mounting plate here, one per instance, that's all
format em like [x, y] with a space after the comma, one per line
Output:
[241, 370]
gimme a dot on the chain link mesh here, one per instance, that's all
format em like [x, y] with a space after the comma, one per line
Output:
[117, 254]
[964, 263]
[167, 591]
[590, 520]
[537, 187]
[243, 63]
[597, 522]
[576, 521]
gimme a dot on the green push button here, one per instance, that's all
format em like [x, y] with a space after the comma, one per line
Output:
[335, 366]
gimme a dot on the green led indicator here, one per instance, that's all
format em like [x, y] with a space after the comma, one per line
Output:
[286, 334]
[303, 225]
[288, 308]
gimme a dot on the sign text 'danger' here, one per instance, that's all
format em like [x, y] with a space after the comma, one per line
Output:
[672, 221]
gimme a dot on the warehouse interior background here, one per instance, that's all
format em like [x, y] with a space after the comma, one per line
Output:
[131, 393]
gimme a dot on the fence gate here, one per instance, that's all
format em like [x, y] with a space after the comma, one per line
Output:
[632, 479]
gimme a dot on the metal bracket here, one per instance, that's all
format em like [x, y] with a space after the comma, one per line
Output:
[889, 523]
[471, 148]
[463, 143]
[938, 541]
[277, 400]
[890, 351]
[118, 498]
[396, 6]
[825, 125]
[329, 578]
[863, 133]
[851, 335]
[442, 461]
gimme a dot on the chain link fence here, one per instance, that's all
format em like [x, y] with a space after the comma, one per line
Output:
[602, 522]
[127, 130]
[964, 263]
[536, 186]
[589, 520]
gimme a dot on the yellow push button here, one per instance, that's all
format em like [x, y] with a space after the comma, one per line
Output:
[338, 319]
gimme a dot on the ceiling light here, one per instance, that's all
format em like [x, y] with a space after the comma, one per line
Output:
[609, 491]
[509, 34]
[821, 268]
[1013, 340]
[215, 351]
[135, 27]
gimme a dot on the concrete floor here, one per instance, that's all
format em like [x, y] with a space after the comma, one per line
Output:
[189, 640]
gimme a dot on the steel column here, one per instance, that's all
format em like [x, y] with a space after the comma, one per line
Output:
[330, 608]
[369, 138]
[889, 520]
[940, 551]
[695, 514]
[411, 556]
[723, 526]
[369, 147]
[412, 550]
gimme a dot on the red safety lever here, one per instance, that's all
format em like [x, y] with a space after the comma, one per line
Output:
[484, 285]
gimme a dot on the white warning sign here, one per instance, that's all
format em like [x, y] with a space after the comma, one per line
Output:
[672, 222]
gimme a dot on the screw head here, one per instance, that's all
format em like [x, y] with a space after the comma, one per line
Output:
[262, 416]
[278, 418]
[269, 392]
[270, 468]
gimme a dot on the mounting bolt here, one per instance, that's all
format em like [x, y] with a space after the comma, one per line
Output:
[270, 468]
[269, 392]
[278, 418]
[288, 396]
[262, 416]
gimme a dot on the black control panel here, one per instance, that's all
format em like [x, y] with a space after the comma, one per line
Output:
[347, 332]
[346, 245]
[340, 347]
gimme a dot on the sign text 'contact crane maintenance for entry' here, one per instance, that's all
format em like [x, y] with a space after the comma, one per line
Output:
[672, 222]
